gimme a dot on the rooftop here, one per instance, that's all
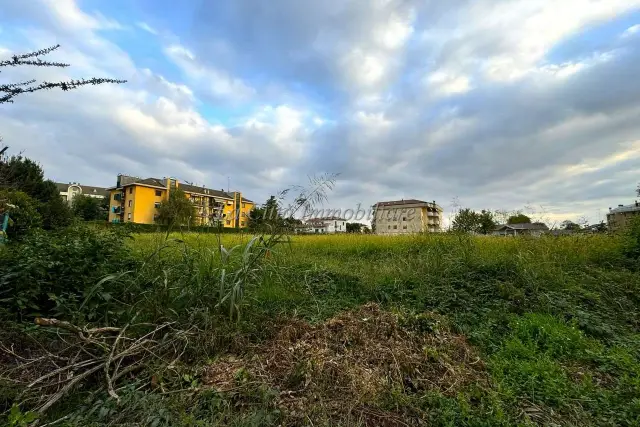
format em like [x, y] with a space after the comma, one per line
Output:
[626, 208]
[407, 202]
[526, 226]
[187, 188]
[86, 189]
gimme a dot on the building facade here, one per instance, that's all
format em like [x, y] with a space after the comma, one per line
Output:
[618, 218]
[534, 229]
[137, 200]
[406, 217]
[73, 189]
[326, 225]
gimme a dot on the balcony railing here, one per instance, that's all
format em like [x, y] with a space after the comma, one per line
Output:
[116, 209]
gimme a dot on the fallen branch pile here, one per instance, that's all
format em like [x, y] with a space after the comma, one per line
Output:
[78, 355]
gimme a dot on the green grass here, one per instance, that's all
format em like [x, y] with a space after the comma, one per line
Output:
[556, 322]
[556, 319]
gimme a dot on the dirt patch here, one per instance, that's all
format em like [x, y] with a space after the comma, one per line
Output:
[343, 369]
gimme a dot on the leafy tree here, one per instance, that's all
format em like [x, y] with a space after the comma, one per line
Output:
[89, 208]
[519, 218]
[176, 210]
[267, 215]
[354, 227]
[570, 225]
[486, 222]
[23, 174]
[466, 221]
[23, 215]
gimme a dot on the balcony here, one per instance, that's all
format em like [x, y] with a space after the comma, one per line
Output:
[116, 209]
[117, 197]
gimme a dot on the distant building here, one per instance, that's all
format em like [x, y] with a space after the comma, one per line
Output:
[406, 217]
[534, 229]
[326, 225]
[618, 218]
[137, 200]
[72, 189]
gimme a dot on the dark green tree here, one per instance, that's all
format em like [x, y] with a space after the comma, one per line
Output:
[176, 210]
[89, 208]
[22, 174]
[466, 221]
[267, 215]
[570, 225]
[519, 218]
[486, 222]
[354, 227]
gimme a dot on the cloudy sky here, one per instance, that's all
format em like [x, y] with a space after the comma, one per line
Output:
[488, 103]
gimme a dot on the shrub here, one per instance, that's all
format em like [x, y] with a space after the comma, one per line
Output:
[62, 273]
[631, 239]
[23, 215]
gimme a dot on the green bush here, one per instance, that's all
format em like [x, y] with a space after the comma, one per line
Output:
[631, 239]
[65, 273]
[23, 214]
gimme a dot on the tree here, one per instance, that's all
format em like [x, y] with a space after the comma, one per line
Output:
[486, 222]
[466, 221]
[176, 210]
[23, 174]
[519, 218]
[354, 227]
[23, 215]
[9, 91]
[267, 215]
[570, 225]
[88, 208]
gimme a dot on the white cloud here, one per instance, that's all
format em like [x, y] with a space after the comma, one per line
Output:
[146, 27]
[209, 79]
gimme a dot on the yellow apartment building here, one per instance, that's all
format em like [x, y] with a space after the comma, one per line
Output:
[137, 200]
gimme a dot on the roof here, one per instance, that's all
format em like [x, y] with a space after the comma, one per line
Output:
[188, 188]
[628, 208]
[86, 189]
[525, 226]
[325, 219]
[203, 190]
[405, 202]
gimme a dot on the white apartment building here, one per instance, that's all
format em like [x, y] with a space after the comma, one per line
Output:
[327, 225]
[406, 217]
[72, 189]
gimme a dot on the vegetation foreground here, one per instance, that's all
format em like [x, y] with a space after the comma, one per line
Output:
[444, 329]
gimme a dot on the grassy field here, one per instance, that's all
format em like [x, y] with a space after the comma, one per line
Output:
[552, 325]
[347, 330]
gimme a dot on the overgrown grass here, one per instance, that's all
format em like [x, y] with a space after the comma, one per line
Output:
[555, 322]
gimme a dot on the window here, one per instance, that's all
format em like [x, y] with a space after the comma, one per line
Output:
[244, 205]
[157, 204]
[129, 216]
[388, 227]
[404, 218]
[395, 227]
[242, 224]
[130, 201]
[228, 222]
[130, 190]
[404, 227]
[115, 196]
[158, 193]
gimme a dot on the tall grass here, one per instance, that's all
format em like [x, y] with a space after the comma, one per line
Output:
[556, 320]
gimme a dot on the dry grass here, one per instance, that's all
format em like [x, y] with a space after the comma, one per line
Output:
[343, 368]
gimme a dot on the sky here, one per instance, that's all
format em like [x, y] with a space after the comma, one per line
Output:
[487, 104]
